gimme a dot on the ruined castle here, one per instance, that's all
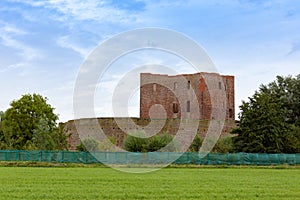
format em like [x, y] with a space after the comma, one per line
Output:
[171, 98]
[173, 93]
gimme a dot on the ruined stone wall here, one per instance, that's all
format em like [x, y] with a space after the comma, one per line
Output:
[111, 128]
[163, 96]
[167, 99]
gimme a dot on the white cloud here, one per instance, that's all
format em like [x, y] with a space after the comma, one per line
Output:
[8, 35]
[99, 11]
[13, 66]
[65, 42]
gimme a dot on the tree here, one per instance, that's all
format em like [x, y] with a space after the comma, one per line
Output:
[196, 144]
[25, 118]
[46, 137]
[269, 120]
[287, 91]
[2, 138]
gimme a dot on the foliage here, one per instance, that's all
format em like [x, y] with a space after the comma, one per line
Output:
[47, 138]
[160, 142]
[293, 141]
[109, 144]
[224, 145]
[88, 144]
[269, 121]
[154, 143]
[1, 115]
[196, 144]
[135, 143]
[2, 138]
[27, 119]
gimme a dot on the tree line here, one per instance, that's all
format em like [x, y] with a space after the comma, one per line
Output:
[269, 122]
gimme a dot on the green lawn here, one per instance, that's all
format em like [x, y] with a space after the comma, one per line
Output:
[168, 183]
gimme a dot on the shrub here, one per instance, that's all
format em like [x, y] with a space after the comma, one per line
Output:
[224, 145]
[196, 144]
[88, 144]
[158, 142]
[155, 143]
[135, 144]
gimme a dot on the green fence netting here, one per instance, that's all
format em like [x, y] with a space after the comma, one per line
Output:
[150, 158]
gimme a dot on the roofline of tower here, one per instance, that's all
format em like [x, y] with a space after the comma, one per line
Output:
[198, 73]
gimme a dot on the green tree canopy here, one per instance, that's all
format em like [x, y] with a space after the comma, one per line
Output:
[269, 120]
[27, 118]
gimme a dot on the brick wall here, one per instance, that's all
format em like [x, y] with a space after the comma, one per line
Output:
[167, 100]
[110, 128]
[181, 96]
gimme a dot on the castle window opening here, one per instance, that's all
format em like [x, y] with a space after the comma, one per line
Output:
[175, 108]
[176, 87]
[154, 87]
[188, 106]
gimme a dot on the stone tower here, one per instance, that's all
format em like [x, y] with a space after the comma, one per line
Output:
[163, 96]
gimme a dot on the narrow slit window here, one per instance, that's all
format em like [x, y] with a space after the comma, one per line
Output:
[175, 108]
[188, 85]
[175, 85]
[188, 106]
[154, 87]
[220, 85]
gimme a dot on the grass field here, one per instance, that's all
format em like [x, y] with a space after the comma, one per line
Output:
[168, 183]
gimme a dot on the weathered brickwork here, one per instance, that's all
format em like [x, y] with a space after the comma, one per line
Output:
[173, 95]
[111, 128]
[169, 99]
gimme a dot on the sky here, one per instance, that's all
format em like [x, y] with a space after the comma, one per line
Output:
[44, 43]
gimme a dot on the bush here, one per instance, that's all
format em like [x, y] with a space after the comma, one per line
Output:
[224, 145]
[196, 144]
[88, 144]
[158, 142]
[155, 143]
[135, 144]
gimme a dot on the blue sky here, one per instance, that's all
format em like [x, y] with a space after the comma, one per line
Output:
[43, 43]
